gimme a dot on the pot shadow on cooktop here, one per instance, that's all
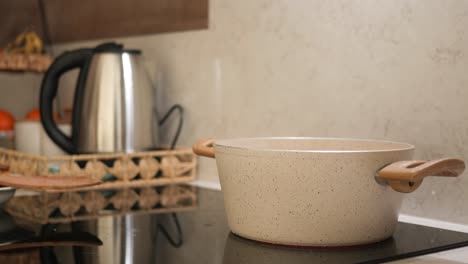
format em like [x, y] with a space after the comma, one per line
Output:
[409, 240]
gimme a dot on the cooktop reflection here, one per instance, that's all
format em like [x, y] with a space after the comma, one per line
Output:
[182, 225]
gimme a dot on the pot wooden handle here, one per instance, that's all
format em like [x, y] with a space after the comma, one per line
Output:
[407, 176]
[204, 147]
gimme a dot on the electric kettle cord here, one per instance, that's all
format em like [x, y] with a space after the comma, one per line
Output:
[180, 109]
[175, 243]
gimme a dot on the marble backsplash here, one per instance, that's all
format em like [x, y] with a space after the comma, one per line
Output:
[395, 70]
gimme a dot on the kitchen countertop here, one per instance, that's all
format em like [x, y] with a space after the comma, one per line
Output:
[455, 256]
[191, 234]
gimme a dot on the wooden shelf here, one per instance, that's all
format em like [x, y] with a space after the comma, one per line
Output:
[25, 63]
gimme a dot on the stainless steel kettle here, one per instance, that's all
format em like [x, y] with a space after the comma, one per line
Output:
[113, 109]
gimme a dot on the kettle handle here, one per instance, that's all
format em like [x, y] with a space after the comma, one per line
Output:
[63, 63]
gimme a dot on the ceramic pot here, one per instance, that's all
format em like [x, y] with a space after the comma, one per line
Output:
[317, 191]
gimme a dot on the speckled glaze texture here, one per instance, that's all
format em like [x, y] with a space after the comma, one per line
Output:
[308, 198]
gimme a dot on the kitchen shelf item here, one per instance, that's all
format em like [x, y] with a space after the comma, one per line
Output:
[25, 63]
[317, 188]
[140, 169]
[31, 138]
[66, 206]
[111, 77]
[45, 182]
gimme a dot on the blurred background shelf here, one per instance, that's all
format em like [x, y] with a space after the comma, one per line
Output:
[25, 63]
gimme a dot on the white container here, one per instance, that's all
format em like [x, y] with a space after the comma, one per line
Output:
[30, 137]
[317, 191]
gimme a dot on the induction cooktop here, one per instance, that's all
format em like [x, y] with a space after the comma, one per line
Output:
[197, 235]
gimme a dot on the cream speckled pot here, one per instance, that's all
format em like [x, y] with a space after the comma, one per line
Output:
[317, 191]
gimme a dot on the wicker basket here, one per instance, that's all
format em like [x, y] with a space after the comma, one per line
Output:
[22, 62]
[115, 170]
[64, 207]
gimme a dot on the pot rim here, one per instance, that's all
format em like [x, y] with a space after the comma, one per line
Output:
[230, 144]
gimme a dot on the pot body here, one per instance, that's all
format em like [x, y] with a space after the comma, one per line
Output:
[309, 191]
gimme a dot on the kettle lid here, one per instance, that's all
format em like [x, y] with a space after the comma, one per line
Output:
[113, 47]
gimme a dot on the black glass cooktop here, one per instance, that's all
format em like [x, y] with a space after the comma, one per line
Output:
[171, 228]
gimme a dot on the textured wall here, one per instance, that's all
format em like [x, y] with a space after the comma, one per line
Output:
[19, 92]
[394, 70]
